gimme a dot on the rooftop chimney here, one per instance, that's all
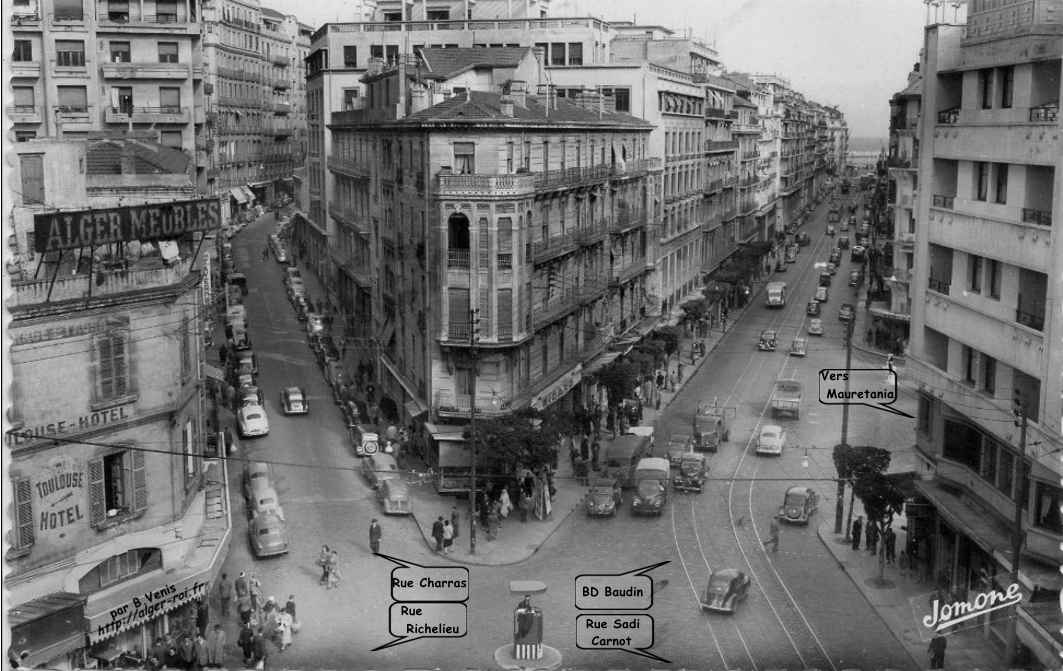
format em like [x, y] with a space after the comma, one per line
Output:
[518, 93]
[506, 103]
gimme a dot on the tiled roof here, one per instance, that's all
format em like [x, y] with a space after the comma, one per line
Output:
[445, 63]
[272, 14]
[476, 106]
[104, 157]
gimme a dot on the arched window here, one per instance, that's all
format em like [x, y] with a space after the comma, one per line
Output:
[458, 241]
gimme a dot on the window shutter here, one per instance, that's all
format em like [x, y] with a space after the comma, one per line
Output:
[140, 486]
[485, 314]
[24, 512]
[505, 313]
[485, 246]
[97, 505]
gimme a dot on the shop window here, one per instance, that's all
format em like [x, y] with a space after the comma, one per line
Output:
[962, 444]
[1046, 510]
[120, 567]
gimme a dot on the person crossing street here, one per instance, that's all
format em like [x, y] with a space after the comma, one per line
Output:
[773, 535]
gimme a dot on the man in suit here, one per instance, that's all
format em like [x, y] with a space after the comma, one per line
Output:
[437, 533]
[936, 651]
[375, 534]
[858, 527]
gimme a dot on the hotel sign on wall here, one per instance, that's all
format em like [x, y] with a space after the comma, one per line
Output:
[59, 496]
[59, 427]
[54, 231]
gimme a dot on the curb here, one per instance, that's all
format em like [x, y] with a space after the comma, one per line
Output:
[819, 533]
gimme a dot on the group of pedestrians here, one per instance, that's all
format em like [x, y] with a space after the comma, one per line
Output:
[871, 539]
[329, 561]
[190, 650]
[261, 621]
[444, 531]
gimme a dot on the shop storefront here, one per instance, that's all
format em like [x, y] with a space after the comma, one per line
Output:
[450, 455]
[49, 631]
[263, 191]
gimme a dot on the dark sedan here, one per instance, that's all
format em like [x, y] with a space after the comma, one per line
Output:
[799, 504]
[725, 589]
[813, 308]
[602, 498]
[845, 313]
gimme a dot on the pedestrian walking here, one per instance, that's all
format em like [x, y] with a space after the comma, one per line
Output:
[216, 646]
[936, 650]
[322, 561]
[243, 607]
[333, 570]
[258, 648]
[857, 529]
[595, 449]
[773, 534]
[246, 641]
[254, 588]
[455, 517]
[585, 448]
[225, 594]
[284, 630]
[289, 607]
[889, 545]
[375, 534]
[437, 533]
[871, 537]
[448, 536]
[240, 585]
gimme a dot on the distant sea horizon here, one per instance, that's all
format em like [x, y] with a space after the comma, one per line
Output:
[867, 143]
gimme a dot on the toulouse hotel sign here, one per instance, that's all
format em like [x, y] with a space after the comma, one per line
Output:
[59, 427]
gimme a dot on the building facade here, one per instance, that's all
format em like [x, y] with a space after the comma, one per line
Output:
[985, 309]
[120, 519]
[81, 66]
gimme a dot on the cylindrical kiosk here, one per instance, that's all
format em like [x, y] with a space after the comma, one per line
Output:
[527, 631]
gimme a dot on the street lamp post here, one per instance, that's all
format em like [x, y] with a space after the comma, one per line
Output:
[474, 338]
[1011, 649]
[839, 504]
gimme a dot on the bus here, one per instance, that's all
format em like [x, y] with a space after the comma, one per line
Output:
[776, 292]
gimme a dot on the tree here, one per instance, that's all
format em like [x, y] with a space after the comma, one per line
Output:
[695, 311]
[882, 500]
[619, 379]
[654, 349]
[669, 335]
[505, 443]
[850, 461]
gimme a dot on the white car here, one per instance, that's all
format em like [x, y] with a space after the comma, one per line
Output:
[771, 440]
[252, 421]
[293, 401]
[315, 323]
[815, 327]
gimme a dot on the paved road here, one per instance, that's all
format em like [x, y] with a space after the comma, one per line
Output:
[802, 612]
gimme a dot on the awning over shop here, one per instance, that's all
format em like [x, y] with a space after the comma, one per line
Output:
[213, 372]
[47, 627]
[887, 314]
[453, 454]
[558, 388]
[600, 362]
[259, 185]
[449, 432]
[414, 406]
[125, 607]
[1032, 573]
[248, 193]
[963, 518]
[238, 193]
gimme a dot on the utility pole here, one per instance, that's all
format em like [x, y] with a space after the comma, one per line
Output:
[474, 339]
[839, 504]
[1017, 537]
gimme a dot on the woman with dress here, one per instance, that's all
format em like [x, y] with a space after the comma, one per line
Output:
[448, 536]
[284, 629]
[505, 505]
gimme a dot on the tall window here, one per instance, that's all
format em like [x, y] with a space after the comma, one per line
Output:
[69, 10]
[505, 244]
[993, 278]
[526, 157]
[117, 486]
[564, 158]
[464, 158]
[969, 358]
[118, 11]
[974, 274]
[575, 53]
[350, 56]
[1046, 510]
[1007, 85]
[985, 88]
[168, 52]
[111, 366]
[23, 534]
[962, 444]
[23, 98]
[72, 99]
[989, 374]
[509, 157]
[166, 11]
[1001, 190]
[23, 51]
[981, 173]
[546, 155]
[32, 173]
[70, 53]
[458, 304]
[557, 53]
[170, 99]
[120, 52]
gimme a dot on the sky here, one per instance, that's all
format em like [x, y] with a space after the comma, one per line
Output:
[851, 53]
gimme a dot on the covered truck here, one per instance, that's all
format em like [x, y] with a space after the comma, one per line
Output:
[712, 426]
[786, 398]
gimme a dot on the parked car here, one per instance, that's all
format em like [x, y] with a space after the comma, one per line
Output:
[799, 347]
[767, 340]
[791, 253]
[693, 471]
[380, 467]
[830, 229]
[843, 242]
[247, 357]
[845, 313]
[798, 505]
[856, 278]
[294, 401]
[822, 294]
[815, 327]
[268, 535]
[249, 394]
[857, 253]
[292, 273]
[394, 497]
[678, 445]
[264, 500]
[804, 239]
[813, 308]
[832, 268]
[825, 278]
[315, 324]
[726, 588]
[257, 474]
[835, 256]
[603, 498]
[771, 440]
[252, 421]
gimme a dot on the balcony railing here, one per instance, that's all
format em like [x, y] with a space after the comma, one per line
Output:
[1039, 217]
[348, 167]
[590, 235]
[523, 183]
[945, 202]
[458, 258]
[592, 289]
[1034, 320]
[279, 59]
[1045, 113]
[620, 274]
[949, 116]
[721, 145]
[564, 301]
[24, 113]
[145, 70]
[348, 217]
[553, 246]
[461, 404]
[626, 219]
[100, 283]
[940, 286]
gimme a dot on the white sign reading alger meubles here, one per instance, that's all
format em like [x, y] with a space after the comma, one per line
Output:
[559, 388]
[144, 606]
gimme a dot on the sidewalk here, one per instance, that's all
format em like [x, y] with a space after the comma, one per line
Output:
[903, 602]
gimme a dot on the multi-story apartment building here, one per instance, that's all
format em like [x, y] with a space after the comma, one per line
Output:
[81, 66]
[902, 165]
[255, 136]
[533, 210]
[114, 496]
[986, 322]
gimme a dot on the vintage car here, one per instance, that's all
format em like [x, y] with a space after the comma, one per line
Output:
[798, 505]
[825, 278]
[822, 294]
[365, 442]
[767, 340]
[302, 308]
[830, 229]
[380, 467]
[651, 486]
[292, 273]
[791, 253]
[247, 357]
[843, 242]
[294, 401]
[725, 589]
[799, 347]
[771, 440]
[857, 253]
[856, 278]
[803, 239]
[845, 313]
[815, 327]
[780, 266]
[832, 268]
[394, 497]
[812, 309]
[252, 421]
[678, 445]
[603, 498]
[693, 470]
[835, 256]
[257, 474]
[263, 500]
[712, 426]
[315, 324]
[268, 535]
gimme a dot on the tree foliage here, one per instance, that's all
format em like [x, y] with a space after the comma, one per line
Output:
[851, 461]
[619, 379]
[502, 444]
[694, 311]
[669, 336]
[880, 496]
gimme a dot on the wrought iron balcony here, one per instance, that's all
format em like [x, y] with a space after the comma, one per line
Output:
[543, 250]
[940, 286]
[949, 116]
[458, 258]
[945, 202]
[1045, 113]
[1039, 217]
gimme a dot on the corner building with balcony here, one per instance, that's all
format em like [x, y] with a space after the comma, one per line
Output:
[106, 66]
[114, 496]
[533, 211]
[986, 319]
